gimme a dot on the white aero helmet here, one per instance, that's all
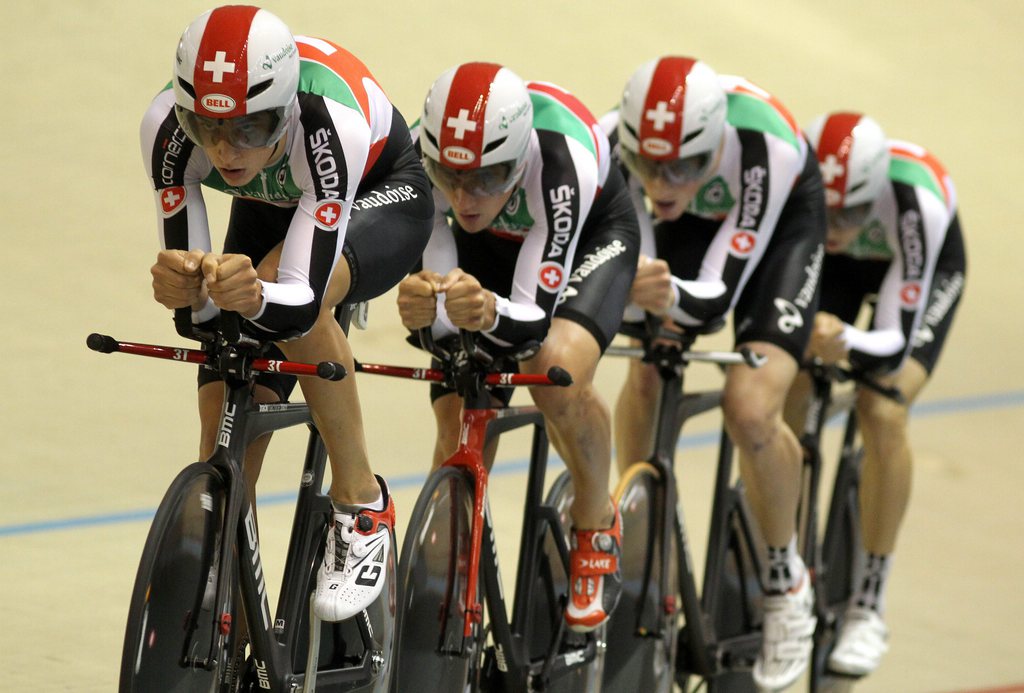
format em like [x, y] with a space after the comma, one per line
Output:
[476, 117]
[236, 75]
[672, 108]
[853, 155]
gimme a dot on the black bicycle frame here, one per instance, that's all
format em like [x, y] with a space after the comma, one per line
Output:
[701, 652]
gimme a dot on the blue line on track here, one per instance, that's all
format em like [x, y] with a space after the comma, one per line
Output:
[922, 409]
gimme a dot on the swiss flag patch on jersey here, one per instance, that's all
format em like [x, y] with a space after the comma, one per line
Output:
[910, 294]
[742, 243]
[172, 199]
[328, 215]
[550, 275]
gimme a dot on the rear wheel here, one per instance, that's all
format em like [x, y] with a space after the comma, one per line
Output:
[736, 616]
[644, 628]
[433, 570]
[550, 593]
[838, 556]
[172, 619]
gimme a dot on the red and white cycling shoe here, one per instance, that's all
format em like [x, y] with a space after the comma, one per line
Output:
[595, 578]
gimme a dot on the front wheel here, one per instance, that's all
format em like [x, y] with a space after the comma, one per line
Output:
[172, 620]
[644, 628]
[431, 650]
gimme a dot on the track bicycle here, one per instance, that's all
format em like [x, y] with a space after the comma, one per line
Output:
[448, 570]
[831, 558]
[664, 631]
[201, 572]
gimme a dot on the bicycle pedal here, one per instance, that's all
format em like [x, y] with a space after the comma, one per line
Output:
[361, 315]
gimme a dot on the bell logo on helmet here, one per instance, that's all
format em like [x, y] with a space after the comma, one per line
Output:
[655, 146]
[219, 66]
[218, 103]
[458, 155]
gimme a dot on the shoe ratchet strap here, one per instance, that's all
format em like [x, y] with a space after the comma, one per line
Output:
[590, 562]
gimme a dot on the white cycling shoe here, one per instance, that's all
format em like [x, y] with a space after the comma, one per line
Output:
[355, 561]
[789, 623]
[863, 640]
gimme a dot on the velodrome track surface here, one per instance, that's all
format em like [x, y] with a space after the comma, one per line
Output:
[90, 442]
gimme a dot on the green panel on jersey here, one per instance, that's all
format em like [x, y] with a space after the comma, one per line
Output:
[751, 113]
[273, 184]
[315, 78]
[915, 173]
[515, 216]
[714, 198]
[870, 243]
[551, 114]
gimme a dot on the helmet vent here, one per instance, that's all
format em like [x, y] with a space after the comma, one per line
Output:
[431, 138]
[187, 87]
[494, 145]
[257, 89]
[629, 128]
[692, 135]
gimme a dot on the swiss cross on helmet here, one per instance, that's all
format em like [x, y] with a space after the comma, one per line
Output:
[672, 108]
[853, 155]
[477, 116]
[236, 74]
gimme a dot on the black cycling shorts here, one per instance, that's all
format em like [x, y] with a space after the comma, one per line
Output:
[604, 265]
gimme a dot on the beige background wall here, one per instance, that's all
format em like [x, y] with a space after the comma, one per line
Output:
[88, 443]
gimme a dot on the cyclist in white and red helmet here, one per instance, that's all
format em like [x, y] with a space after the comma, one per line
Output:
[895, 244]
[736, 223]
[330, 205]
[534, 239]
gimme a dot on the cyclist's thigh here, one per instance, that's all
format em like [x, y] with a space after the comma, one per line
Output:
[604, 265]
[391, 219]
[847, 283]
[943, 300]
[779, 302]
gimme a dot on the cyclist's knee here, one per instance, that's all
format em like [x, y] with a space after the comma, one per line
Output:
[881, 414]
[564, 403]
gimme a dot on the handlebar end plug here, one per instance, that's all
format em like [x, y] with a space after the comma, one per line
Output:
[101, 343]
[331, 370]
[559, 376]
